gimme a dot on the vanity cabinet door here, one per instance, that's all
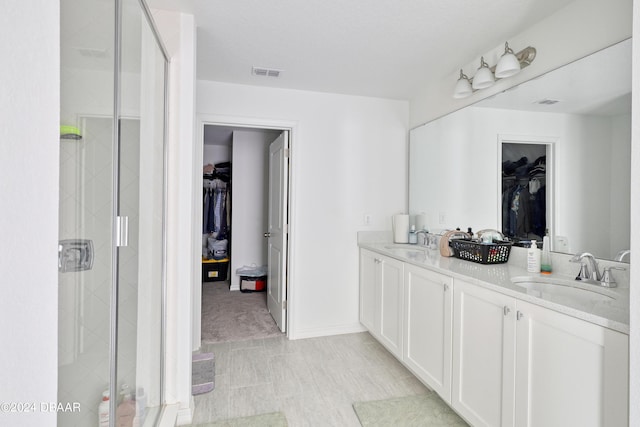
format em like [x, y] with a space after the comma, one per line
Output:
[368, 278]
[427, 331]
[483, 355]
[391, 299]
[568, 371]
[381, 299]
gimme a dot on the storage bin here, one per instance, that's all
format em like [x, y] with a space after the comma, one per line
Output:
[253, 284]
[494, 253]
[214, 270]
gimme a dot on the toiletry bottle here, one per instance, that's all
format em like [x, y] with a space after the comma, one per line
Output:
[545, 262]
[103, 410]
[126, 410]
[533, 258]
[141, 407]
[413, 236]
[470, 232]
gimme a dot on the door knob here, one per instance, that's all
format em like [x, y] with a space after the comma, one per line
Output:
[267, 235]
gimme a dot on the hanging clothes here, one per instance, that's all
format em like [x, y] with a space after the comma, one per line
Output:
[205, 210]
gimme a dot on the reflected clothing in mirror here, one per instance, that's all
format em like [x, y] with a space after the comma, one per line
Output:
[523, 192]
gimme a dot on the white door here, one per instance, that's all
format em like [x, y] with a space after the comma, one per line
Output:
[427, 327]
[390, 300]
[483, 355]
[368, 267]
[277, 229]
[568, 371]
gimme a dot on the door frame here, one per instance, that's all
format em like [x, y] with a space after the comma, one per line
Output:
[550, 148]
[249, 123]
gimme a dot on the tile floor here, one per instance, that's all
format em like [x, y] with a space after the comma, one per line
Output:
[313, 381]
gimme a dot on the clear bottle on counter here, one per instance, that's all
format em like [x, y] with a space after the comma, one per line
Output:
[533, 258]
[413, 235]
[546, 266]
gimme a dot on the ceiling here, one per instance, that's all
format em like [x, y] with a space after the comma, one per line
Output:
[381, 48]
[223, 135]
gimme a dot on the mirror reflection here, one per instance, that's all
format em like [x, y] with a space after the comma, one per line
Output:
[575, 120]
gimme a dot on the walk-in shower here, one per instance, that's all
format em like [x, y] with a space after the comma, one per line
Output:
[112, 209]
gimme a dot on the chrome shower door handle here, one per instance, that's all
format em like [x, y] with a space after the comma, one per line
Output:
[122, 231]
[267, 235]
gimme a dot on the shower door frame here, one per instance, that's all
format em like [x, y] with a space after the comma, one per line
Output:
[116, 231]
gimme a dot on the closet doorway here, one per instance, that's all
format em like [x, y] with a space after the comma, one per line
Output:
[526, 188]
[238, 161]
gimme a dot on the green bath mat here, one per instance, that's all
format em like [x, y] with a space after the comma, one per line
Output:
[410, 411]
[274, 419]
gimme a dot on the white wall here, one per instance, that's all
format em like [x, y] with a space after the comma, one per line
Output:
[249, 200]
[183, 222]
[216, 154]
[348, 158]
[634, 344]
[580, 28]
[29, 147]
[620, 199]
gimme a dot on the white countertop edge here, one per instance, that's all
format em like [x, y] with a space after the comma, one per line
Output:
[615, 318]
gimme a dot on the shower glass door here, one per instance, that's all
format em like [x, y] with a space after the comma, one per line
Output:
[112, 181]
[141, 207]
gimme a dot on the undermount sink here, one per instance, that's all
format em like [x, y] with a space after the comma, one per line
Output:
[559, 289]
[407, 250]
[406, 246]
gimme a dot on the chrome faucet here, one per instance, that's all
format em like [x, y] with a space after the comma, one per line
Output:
[425, 242]
[588, 267]
[620, 256]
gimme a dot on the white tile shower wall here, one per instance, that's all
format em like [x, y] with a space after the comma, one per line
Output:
[85, 297]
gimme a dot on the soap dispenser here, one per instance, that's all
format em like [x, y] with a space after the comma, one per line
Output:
[413, 236]
[533, 258]
[545, 262]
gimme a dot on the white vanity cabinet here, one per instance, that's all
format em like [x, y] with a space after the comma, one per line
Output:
[568, 371]
[381, 299]
[496, 359]
[369, 272]
[519, 364]
[483, 355]
[427, 327]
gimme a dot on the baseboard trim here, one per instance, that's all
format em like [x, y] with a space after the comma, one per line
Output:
[185, 415]
[168, 416]
[327, 331]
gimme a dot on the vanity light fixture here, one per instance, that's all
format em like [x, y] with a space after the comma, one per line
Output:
[509, 65]
[463, 86]
[484, 77]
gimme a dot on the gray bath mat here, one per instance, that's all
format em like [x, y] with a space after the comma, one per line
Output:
[275, 419]
[410, 411]
[203, 373]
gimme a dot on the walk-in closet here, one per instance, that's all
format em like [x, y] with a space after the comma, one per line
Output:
[234, 221]
[524, 191]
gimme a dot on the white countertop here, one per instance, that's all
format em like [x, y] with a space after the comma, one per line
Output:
[612, 313]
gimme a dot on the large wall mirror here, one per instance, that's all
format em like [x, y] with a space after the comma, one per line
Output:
[575, 121]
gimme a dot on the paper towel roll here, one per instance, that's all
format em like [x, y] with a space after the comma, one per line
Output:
[421, 221]
[401, 228]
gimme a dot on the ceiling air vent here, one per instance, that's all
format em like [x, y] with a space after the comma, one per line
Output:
[88, 52]
[265, 72]
[547, 101]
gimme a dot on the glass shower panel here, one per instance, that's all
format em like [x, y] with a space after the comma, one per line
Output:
[141, 202]
[86, 206]
[111, 300]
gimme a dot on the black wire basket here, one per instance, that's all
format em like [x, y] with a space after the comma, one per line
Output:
[482, 253]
